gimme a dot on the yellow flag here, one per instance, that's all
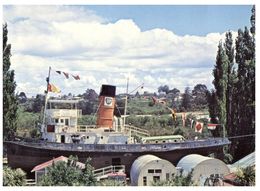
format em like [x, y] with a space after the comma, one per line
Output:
[54, 89]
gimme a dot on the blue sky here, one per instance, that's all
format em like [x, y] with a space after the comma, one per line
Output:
[193, 20]
[154, 45]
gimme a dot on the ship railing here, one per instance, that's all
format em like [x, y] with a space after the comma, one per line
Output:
[64, 113]
[137, 130]
[30, 182]
[65, 129]
[85, 128]
[102, 172]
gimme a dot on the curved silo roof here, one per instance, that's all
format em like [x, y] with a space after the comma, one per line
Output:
[189, 162]
[202, 166]
[141, 164]
[138, 165]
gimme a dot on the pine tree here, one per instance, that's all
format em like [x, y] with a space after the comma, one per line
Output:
[220, 83]
[10, 104]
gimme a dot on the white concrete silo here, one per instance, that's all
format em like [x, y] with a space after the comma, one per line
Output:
[203, 167]
[149, 168]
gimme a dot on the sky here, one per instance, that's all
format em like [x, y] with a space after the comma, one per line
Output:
[155, 45]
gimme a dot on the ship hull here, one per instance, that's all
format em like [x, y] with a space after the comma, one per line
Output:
[28, 155]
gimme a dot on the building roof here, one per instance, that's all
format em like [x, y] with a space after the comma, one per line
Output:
[50, 162]
[247, 161]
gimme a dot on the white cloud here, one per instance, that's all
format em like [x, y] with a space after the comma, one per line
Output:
[73, 38]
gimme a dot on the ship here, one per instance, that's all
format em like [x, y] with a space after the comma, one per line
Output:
[109, 142]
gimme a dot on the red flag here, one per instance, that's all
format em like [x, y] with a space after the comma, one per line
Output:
[212, 126]
[199, 127]
[66, 75]
[76, 77]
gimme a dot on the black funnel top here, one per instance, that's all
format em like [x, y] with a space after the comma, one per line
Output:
[108, 90]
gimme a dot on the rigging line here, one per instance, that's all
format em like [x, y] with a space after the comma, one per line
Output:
[118, 111]
[239, 136]
[97, 110]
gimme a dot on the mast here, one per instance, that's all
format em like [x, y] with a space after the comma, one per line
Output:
[46, 99]
[126, 97]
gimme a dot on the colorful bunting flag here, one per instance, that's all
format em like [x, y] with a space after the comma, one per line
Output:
[52, 88]
[212, 126]
[66, 74]
[191, 124]
[174, 116]
[76, 77]
[199, 127]
[183, 117]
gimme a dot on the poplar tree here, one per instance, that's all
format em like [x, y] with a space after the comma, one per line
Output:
[229, 50]
[10, 104]
[245, 58]
[220, 83]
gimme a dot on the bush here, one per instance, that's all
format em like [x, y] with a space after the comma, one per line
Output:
[69, 174]
[14, 177]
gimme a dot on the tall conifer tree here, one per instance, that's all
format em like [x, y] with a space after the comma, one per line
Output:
[220, 83]
[10, 104]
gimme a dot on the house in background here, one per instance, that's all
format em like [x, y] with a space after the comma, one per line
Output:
[41, 169]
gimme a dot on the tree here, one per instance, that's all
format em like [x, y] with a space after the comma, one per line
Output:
[164, 88]
[10, 104]
[87, 176]
[200, 95]
[69, 174]
[22, 98]
[186, 101]
[234, 99]
[13, 177]
[220, 83]
[38, 103]
[90, 95]
[245, 58]
[213, 106]
[246, 176]
[252, 20]
[229, 50]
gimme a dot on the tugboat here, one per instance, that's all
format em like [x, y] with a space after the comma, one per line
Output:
[109, 142]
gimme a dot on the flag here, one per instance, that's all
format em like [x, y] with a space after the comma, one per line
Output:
[174, 114]
[76, 77]
[154, 100]
[52, 88]
[199, 127]
[212, 126]
[66, 75]
[59, 72]
[191, 124]
[183, 116]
